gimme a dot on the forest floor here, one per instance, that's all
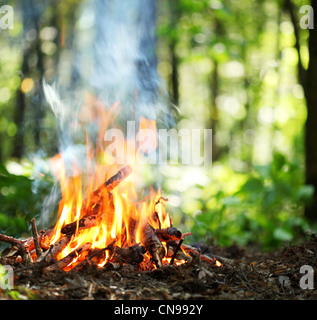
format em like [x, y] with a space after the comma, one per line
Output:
[251, 274]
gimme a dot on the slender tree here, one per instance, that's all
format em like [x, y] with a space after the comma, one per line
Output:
[308, 80]
[310, 89]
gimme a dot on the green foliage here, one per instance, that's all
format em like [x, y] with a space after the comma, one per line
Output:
[18, 203]
[267, 208]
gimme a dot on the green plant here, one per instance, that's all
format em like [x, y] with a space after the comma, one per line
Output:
[267, 208]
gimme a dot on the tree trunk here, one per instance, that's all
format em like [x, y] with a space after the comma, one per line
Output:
[174, 81]
[308, 80]
[31, 15]
[20, 105]
[213, 123]
[310, 89]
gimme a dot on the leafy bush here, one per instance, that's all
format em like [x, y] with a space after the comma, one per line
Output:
[18, 203]
[266, 206]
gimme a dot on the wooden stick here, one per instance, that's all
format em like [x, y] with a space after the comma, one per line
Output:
[87, 260]
[117, 178]
[187, 234]
[64, 262]
[152, 244]
[144, 199]
[169, 233]
[9, 239]
[60, 245]
[180, 255]
[26, 258]
[175, 252]
[113, 182]
[44, 239]
[36, 238]
[204, 257]
[84, 223]
[103, 192]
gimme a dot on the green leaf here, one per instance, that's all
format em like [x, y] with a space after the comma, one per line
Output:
[282, 234]
[304, 194]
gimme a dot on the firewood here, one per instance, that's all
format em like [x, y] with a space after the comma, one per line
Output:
[102, 194]
[169, 233]
[81, 251]
[93, 253]
[180, 255]
[44, 239]
[9, 239]
[60, 245]
[133, 254]
[98, 203]
[204, 257]
[176, 251]
[152, 244]
[84, 223]
[117, 178]
[26, 257]
[36, 238]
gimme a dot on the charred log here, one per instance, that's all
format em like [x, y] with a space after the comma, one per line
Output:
[152, 244]
[133, 254]
[84, 223]
[36, 238]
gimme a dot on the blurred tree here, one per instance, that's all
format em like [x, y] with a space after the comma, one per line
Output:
[173, 40]
[30, 15]
[310, 89]
[308, 80]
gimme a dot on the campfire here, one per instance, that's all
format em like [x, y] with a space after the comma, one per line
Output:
[101, 218]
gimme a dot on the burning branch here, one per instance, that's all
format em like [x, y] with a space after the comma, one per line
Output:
[153, 244]
[81, 251]
[84, 223]
[169, 233]
[117, 178]
[60, 245]
[175, 252]
[102, 194]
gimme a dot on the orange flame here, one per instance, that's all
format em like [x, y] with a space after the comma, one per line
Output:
[78, 184]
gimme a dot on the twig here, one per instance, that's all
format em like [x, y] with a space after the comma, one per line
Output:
[144, 199]
[36, 238]
[187, 234]
[87, 260]
[64, 262]
[26, 258]
[176, 250]
[9, 239]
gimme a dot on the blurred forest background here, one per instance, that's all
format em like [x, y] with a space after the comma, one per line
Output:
[241, 68]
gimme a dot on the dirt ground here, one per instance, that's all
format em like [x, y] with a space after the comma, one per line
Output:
[250, 274]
